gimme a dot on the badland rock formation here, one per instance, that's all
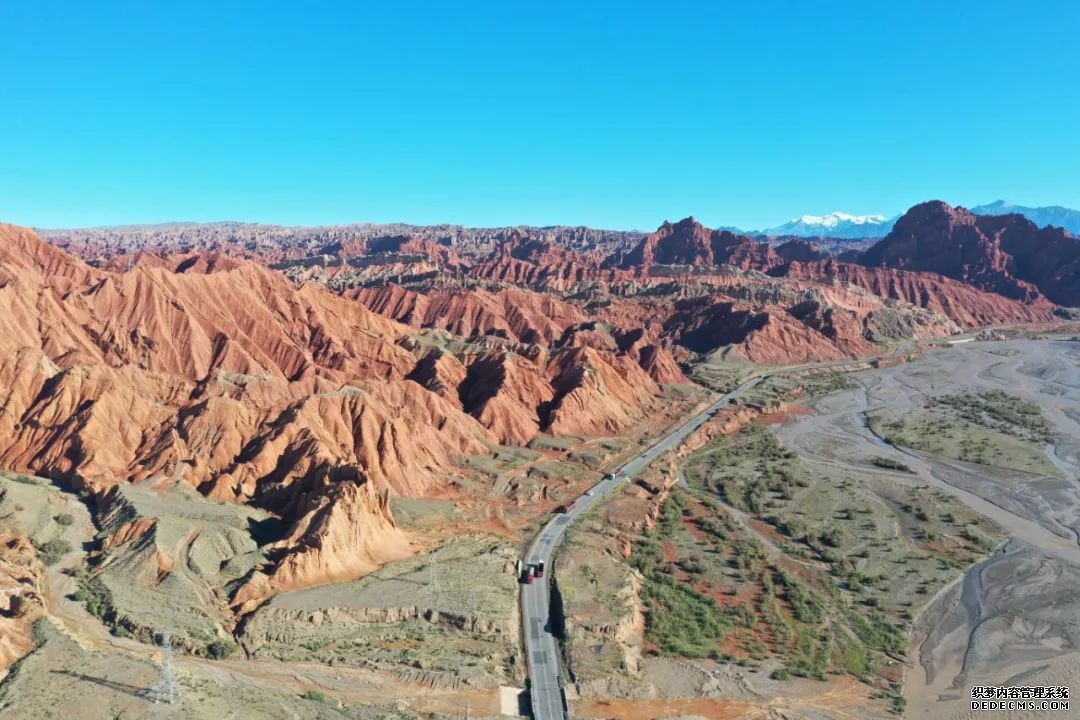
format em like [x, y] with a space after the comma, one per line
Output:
[316, 374]
[1004, 254]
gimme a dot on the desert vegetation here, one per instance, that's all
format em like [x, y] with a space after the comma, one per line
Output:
[783, 387]
[989, 427]
[766, 563]
[1000, 411]
[890, 464]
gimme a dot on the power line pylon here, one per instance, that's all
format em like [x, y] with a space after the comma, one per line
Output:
[167, 688]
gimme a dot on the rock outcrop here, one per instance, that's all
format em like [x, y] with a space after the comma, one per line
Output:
[346, 533]
[964, 304]
[1004, 254]
[537, 361]
[688, 242]
[21, 601]
[510, 313]
[596, 393]
[544, 266]
[228, 377]
[505, 392]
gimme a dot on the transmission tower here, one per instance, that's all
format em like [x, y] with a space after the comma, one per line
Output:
[434, 582]
[168, 687]
[472, 602]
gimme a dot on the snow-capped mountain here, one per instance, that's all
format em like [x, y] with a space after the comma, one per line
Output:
[1042, 216]
[845, 226]
[835, 224]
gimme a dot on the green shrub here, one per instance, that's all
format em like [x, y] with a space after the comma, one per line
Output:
[692, 566]
[805, 606]
[25, 480]
[64, 519]
[681, 621]
[852, 656]
[95, 597]
[833, 537]
[890, 464]
[877, 632]
[220, 649]
[52, 551]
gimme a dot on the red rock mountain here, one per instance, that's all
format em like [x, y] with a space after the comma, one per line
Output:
[964, 304]
[535, 366]
[1004, 254]
[223, 374]
[532, 291]
[799, 323]
[682, 288]
[234, 381]
[542, 265]
[719, 322]
[519, 315]
[687, 242]
[397, 357]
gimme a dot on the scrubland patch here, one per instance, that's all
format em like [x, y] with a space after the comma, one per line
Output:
[766, 563]
[989, 427]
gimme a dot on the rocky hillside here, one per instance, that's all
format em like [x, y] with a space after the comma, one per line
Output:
[223, 374]
[688, 242]
[276, 243]
[1004, 254]
[685, 289]
[964, 304]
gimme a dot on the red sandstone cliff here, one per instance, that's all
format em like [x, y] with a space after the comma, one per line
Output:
[233, 380]
[966, 305]
[687, 242]
[1005, 254]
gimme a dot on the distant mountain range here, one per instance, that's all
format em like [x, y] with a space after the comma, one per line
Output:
[844, 226]
[1042, 216]
[834, 225]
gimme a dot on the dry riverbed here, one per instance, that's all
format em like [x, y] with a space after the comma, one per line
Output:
[1011, 619]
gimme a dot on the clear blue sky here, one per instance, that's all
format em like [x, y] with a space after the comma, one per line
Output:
[617, 114]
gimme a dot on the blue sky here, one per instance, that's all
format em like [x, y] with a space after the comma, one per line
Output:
[617, 115]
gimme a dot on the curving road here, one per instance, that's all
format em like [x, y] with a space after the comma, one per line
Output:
[541, 649]
[546, 693]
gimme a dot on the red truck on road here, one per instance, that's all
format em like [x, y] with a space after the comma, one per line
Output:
[528, 573]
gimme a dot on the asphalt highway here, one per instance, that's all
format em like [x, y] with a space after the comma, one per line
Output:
[541, 648]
